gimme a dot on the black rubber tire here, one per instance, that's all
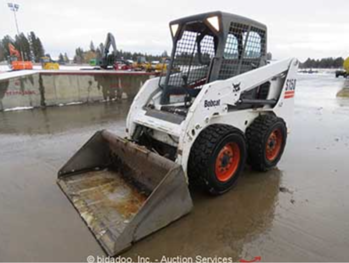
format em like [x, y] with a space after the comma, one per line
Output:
[257, 135]
[202, 159]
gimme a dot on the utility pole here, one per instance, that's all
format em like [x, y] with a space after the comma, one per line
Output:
[14, 8]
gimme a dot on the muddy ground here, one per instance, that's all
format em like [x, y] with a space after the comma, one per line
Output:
[298, 212]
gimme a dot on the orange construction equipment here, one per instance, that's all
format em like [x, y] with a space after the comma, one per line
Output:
[16, 60]
[14, 51]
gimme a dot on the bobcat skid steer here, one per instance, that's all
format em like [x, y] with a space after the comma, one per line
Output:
[219, 104]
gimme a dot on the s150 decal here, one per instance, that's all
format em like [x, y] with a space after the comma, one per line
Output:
[290, 88]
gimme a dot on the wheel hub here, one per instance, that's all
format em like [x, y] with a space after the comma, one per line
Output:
[227, 162]
[273, 145]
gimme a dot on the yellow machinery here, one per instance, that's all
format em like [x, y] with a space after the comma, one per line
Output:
[344, 73]
[48, 64]
[346, 65]
[161, 66]
[142, 65]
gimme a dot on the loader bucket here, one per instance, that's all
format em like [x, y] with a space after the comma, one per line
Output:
[122, 191]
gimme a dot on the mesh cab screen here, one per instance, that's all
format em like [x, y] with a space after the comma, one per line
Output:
[192, 60]
[243, 50]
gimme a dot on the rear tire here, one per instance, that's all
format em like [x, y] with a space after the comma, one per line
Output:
[266, 140]
[217, 158]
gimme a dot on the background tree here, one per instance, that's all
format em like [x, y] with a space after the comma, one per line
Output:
[323, 63]
[2, 52]
[92, 47]
[36, 46]
[87, 56]
[269, 56]
[66, 58]
[61, 58]
[5, 41]
[40, 51]
[164, 54]
[22, 44]
[79, 56]
[338, 63]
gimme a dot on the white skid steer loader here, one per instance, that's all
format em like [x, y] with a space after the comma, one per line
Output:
[219, 105]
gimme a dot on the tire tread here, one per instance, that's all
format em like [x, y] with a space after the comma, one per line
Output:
[255, 140]
[201, 152]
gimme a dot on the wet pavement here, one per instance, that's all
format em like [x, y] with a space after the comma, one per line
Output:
[298, 212]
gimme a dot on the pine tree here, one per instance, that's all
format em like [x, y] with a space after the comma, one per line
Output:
[5, 41]
[22, 45]
[40, 50]
[269, 56]
[2, 52]
[32, 40]
[61, 58]
[36, 47]
[338, 63]
[164, 54]
[92, 47]
[323, 63]
[79, 56]
[66, 58]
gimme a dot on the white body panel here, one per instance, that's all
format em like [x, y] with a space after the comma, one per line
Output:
[215, 104]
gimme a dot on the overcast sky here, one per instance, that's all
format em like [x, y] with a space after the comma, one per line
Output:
[299, 28]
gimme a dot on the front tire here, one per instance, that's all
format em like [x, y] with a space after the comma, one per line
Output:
[266, 140]
[217, 158]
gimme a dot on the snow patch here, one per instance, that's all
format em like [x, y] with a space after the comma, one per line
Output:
[70, 103]
[19, 108]
[74, 103]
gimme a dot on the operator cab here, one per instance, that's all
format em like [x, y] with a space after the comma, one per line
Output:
[209, 47]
